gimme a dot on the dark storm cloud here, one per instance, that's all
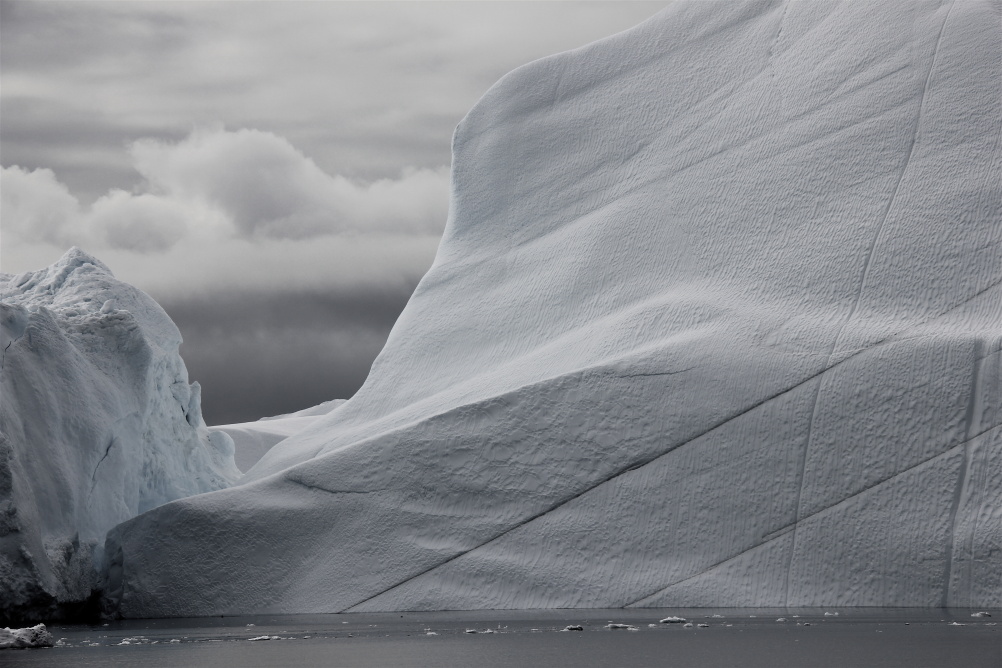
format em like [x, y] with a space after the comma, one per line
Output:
[258, 355]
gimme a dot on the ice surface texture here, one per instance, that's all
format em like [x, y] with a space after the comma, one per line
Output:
[716, 320]
[34, 636]
[251, 440]
[97, 424]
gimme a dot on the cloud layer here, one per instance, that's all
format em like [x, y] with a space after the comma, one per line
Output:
[218, 184]
[284, 280]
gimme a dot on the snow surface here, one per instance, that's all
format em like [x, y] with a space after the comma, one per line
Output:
[715, 321]
[98, 424]
[252, 439]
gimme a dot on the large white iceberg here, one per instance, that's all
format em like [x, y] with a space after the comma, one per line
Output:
[716, 320]
[97, 424]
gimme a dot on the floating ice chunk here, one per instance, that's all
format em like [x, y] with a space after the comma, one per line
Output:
[32, 636]
[625, 627]
[674, 620]
[981, 614]
[573, 627]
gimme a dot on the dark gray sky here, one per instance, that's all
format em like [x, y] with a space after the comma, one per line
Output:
[275, 174]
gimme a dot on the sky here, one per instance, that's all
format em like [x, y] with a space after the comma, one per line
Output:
[274, 174]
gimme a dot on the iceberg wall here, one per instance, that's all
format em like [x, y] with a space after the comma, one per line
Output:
[716, 321]
[97, 424]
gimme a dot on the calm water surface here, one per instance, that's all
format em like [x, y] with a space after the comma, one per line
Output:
[733, 637]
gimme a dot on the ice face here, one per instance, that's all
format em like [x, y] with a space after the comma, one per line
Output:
[716, 320]
[98, 423]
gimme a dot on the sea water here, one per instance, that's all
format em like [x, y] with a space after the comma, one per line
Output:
[487, 639]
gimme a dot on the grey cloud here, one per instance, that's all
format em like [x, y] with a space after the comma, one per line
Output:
[258, 355]
[363, 88]
[84, 147]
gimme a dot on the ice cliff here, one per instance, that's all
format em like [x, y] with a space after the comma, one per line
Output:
[716, 320]
[97, 424]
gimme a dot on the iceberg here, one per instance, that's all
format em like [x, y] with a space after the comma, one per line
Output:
[98, 423]
[716, 320]
[251, 440]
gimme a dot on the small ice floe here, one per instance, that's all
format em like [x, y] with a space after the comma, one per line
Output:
[831, 614]
[781, 619]
[31, 636]
[174, 641]
[687, 625]
[956, 624]
[717, 616]
[430, 633]
[674, 620]
[703, 626]
[804, 624]
[488, 631]
[981, 614]
[573, 627]
[256, 638]
[470, 631]
[626, 627]
[250, 625]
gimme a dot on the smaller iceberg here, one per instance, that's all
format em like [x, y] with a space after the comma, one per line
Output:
[98, 424]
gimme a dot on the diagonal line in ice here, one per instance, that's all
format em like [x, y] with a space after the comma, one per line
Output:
[894, 338]
[782, 531]
[867, 263]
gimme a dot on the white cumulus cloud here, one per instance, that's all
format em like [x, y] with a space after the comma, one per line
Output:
[218, 184]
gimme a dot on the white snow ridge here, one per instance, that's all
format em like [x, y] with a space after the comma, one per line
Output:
[716, 321]
[97, 424]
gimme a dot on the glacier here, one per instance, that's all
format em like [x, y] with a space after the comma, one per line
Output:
[715, 321]
[98, 423]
